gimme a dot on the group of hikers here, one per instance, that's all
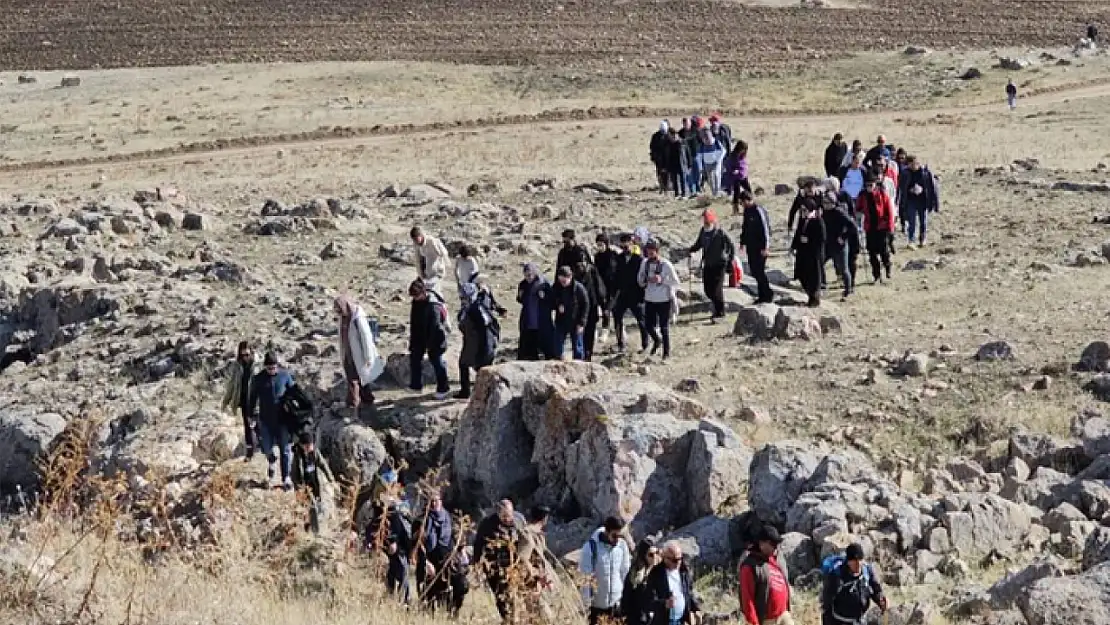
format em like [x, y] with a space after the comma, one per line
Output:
[620, 582]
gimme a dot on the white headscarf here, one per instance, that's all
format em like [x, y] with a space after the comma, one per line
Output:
[664, 126]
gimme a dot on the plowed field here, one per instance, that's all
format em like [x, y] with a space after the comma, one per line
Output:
[78, 34]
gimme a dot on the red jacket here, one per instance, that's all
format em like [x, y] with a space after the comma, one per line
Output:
[884, 209]
[777, 591]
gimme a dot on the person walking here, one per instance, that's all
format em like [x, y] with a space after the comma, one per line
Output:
[765, 583]
[660, 282]
[877, 212]
[466, 267]
[605, 563]
[657, 148]
[537, 577]
[571, 253]
[629, 296]
[588, 276]
[1092, 32]
[809, 251]
[481, 334]
[739, 171]
[237, 394]
[636, 600]
[572, 310]
[606, 259]
[755, 239]
[690, 143]
[857, 149]
[877, 151]
[721, 132]
[710, 155]
[670, 587]
[676, 161]
[398, 547]
[495, 542]
[918, 195]
[429, 325]
[537, 332]
[434, 548]
[852, 178]
[717, 254]
[1011, 94]
[362, 364]
[266, 392]
[850, 587]
[431, 258]
[834, 155]
[841, 235]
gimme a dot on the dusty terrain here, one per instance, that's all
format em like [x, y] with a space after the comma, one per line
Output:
[134, 313]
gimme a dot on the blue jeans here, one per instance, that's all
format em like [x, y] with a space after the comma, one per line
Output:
[914, 217]
[416, 371]
[578, 346]
[693, 181]
[841, 261]
[276, 435]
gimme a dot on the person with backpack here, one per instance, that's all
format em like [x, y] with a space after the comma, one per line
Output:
[765, 583]
[918, 195]
[670, 590]
[588, 276]
[537, 331]
[605, 562]
[629, 295]
[660, 282]
[717, 253]
[572, 312]
[429, 324]
[266, 392]
[657, 148]
[572, 252]
[755, 238]
[849, 589]
[635, 599]
[431, 258]
[877, 210]
[481, 334]
[358, 354]
[809, 250]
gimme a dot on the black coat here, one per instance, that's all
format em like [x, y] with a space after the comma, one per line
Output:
[629, 292]
[607, 264]
[595, 290]
[571, 256]
[848, 595]
[840, 230]
[658, 148]
[809, 253]
[658, 590]
[575, 301]
[426, 327]
[834, 156]
[481, 333]
[677, 158]
[755, 234]
[716, 247]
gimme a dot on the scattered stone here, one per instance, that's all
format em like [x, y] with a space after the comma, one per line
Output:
[71, 81]
[972, 73]
[67, 227]
[1013, 64]
[783, 189]
[194, 221]
[1095, 358]
[914, 365]
[27, 79]
[332, 251]
[600, 187]
[915, 51]
[995, 350]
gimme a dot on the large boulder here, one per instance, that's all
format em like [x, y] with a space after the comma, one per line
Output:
[54, 312]
[353, 449]
[423, 438]
[1076, 600]
[716, 473]
[1005, 593]
[1097, 549]
[705, 541]
[799, 552]
[1042, 450]
[778, 475]
[756, 321]
[25, 438]
[982, 523]
[1096, 437]
[1095, 357]
[175, 446]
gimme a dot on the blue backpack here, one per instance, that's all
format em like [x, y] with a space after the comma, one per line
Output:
[832, 564]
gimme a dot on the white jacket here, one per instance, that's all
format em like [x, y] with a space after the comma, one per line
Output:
[431, 260]
[364, 353]
[607, 568]
[658, 292]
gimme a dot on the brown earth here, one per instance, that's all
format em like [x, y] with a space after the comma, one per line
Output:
[72, 34]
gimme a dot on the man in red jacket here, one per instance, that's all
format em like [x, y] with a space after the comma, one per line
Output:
[765, 583]
[877, 209]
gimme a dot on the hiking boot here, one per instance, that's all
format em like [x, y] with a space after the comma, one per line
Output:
[888, 273]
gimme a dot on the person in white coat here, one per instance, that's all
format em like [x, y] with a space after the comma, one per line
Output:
[605, 560]
[362, 364]
[431, 259]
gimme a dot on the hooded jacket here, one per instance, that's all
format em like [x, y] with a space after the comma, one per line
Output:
[233, 386]
[575, 302]
[431, 259]
[360, 345]
[607, 566]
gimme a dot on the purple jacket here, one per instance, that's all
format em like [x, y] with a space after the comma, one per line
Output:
[733, 170]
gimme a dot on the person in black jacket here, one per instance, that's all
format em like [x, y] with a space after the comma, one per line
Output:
[606, 261]
[398, 545]
[427, 335]
[841, 235]
[572, 312]
[755, 238]
[629, 295]
[850, 589]
[676, 161]
[667, 606]
[587, 276]
[717, 255]
[801, 201]
[834, 155]
[536, 330]
[481, 333]
[658, 149]
[809, 251]
[495, 541]
[571, 253]
[635, 600]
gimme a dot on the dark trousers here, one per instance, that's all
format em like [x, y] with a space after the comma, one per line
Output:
[841, 261]
[502, 597]
[529, 347]
[250, 431]
[397, 576]
[737, 186]
[757, 265]
[464, 377]
[657, 319]
[589, 335]
[637, 311]
[663, 177]
[678, 182]
[713, 279]
[604, 614]
[878, 250]
[416, 370]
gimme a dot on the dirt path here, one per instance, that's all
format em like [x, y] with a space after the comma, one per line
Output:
[339, 136]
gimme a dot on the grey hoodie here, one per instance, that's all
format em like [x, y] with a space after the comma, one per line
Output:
[663, 291]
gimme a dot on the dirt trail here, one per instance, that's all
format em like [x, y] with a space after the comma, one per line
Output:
[339, 136]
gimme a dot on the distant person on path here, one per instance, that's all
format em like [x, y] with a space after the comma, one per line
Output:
[676, 162]
[629, 297]
[878, 224]
[537, 331]
[919, 195]
[429, 325]
[1092, 32]
[606, 259]
[362, 364]
[834, 155]
[657, 148]
[237, 394]
[738, 174]
[431, 258]
[266, 393]
[809, 251]
[849, 589]
[481, 334]
[660, 282]
[765, 583]
[636, 598]
[841, 235]
[670, 586]
[717, 254]
[495, 544]
[588, 276]
[605, 562]
[1011, 94]
[572, 309]
[755, 238]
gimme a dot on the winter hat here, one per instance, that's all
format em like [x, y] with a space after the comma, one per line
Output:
[651, 245]
[270, 360]
[854, 552]
[714, 118]
[664, 126]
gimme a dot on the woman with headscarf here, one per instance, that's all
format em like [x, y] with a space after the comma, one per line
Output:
[362, 364]
[635, 602]
[537, 327]
[480, 331]
[809, 250]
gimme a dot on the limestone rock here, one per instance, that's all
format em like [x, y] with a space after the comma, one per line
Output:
[981, 523]
[1075, 600]
[354, 450]
[716, 473]
[25, 436]
[778, 475]
[995, 350]
[705, 541]
[1004, 593]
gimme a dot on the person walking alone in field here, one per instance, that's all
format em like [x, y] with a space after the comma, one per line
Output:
[660, 282]
[237, 394]
[717, 254]
[1011, 94]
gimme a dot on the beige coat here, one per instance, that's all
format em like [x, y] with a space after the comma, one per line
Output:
[431, 260]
